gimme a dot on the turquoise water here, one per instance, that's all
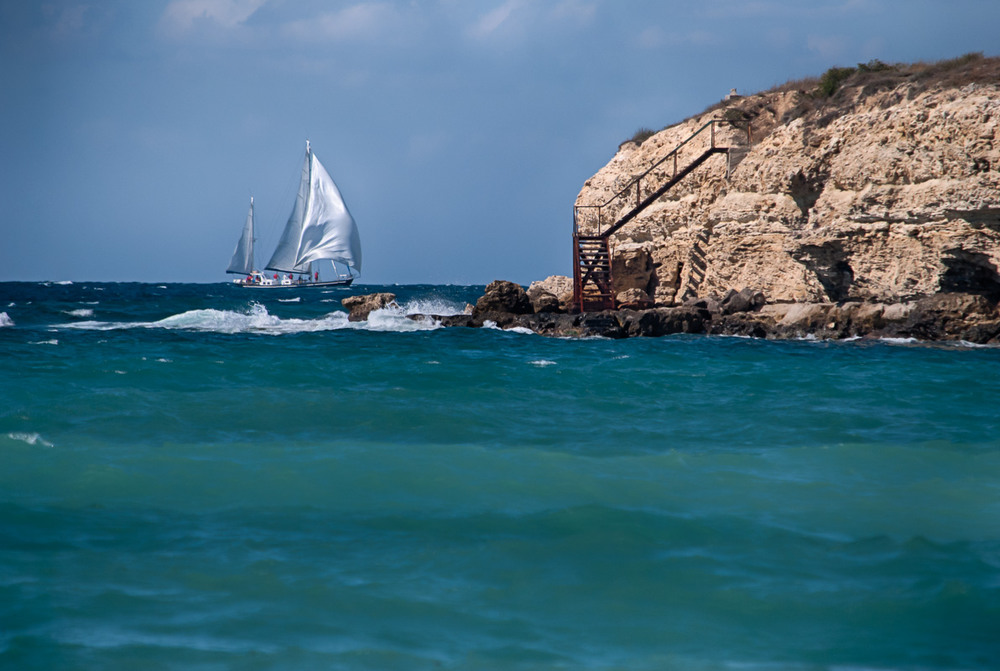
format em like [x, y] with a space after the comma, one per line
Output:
[207, 477]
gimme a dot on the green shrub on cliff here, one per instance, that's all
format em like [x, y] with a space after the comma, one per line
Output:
[875, 65]
[642, 135]
[832, 79]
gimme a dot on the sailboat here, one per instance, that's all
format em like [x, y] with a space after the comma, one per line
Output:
[320, 228]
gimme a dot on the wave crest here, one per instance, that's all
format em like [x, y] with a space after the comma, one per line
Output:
[256, 319]
[29, 438]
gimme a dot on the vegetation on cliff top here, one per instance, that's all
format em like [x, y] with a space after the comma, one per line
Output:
[833, 94]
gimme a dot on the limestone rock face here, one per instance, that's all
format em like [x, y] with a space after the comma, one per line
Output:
[633, 299]
[893, 195]
[559, 286]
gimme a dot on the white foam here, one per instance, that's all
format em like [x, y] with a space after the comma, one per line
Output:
[394, 318]
[432, 306]
[5, 320]
[46, 342]
[974, 345]
[297, 299]
[81, 312]
[900, 341]
[29, 438]
[542, 363]
[256, 319]
[492, 325]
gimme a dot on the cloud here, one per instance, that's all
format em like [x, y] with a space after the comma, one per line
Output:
[783, 9]
[654, 37]
[75, 21]
[181, 16]
[70, 21]
[578, 11]
[363, 22]
[515, 20]
[829, 47]
[491, 22]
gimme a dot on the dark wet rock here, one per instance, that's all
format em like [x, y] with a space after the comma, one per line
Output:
[456, 320]
[743, 324]
[599, 324]
[971, 317]
[707, 303]
[741, 301]
[951, 317]
[663, 321]
[502, 297]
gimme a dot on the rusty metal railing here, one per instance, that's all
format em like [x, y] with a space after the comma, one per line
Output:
[596, 217]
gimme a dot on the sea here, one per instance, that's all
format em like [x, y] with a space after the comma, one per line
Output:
[206, 477]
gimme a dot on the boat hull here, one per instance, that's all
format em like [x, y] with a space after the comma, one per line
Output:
[297, 285]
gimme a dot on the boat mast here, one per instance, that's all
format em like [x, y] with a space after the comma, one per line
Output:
[253, 264]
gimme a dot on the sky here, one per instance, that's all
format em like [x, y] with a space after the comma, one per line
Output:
[133, 134]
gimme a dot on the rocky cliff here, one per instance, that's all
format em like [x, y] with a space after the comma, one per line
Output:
[876, 184]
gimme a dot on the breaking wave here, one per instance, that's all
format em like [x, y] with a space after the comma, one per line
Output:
[5, 320]
[29, 438]
[256, 319]
[432, 306]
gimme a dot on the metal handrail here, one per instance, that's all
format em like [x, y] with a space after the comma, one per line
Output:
[636, 182]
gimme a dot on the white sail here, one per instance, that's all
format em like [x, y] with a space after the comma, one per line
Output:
[242, 262]
[328, 229]
[285, 254]
[320, 226]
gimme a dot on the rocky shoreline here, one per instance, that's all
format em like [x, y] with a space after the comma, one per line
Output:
[869, 208]
[957, 317]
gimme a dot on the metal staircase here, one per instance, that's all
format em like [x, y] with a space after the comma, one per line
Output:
[593, 284]
[592, 289]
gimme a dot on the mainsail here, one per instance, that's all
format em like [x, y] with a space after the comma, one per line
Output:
[320, 226]
[242, 263]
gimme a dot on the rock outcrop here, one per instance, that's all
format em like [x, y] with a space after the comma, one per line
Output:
[945, 316]
[555, 287]
[359, 307]
[885, 192]
[502, 298]
[966, 317]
